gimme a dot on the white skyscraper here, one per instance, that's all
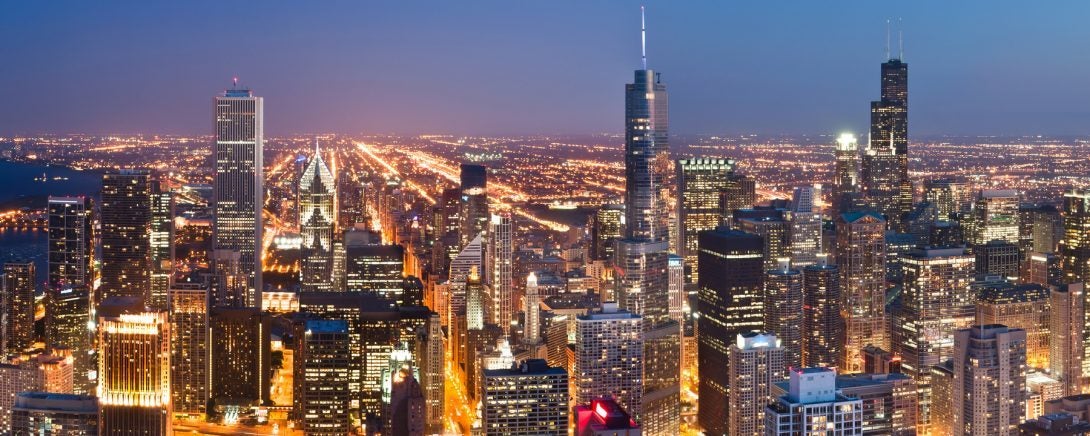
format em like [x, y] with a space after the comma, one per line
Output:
[238, 191]
[609, 357]
[500, 262]
[756, 362]
[532, 333]
[316, 220]
[805, 222]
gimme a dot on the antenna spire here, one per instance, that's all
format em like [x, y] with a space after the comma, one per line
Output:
[900, 40]
[234, 82]
[643, 38]
[887, 39]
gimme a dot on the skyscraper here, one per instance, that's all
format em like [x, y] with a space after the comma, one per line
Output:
[609, 357]
[238, 190]
[1023, 307]
[936, 300]
[189, 347]
[373, 267]
[316, 221]
[133, 368]
[126, 234]
[885, 162]
[162, 244]
[822, 325]
[49, 413]
[606, 228]
[17, 307]
[474, 202]
[846, 177]
[730, 302]
[995, 217]
[500, 264]
[783, 311]
[699, 183]
[756, 362]
[989, 380]
[804, 233]
[322, 376]
[948, 196]
[1075, 246]
[239, 369]
[1067, 315]
[813, 406]
[70, 280]
[530, 399]
[861, 256]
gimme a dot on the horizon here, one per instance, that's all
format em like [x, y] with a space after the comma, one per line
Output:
[389, 68]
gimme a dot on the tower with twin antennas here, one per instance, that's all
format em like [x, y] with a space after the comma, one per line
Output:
[642, 255]
[885, 161]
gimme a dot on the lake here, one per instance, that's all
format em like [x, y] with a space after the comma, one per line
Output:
[20, 189]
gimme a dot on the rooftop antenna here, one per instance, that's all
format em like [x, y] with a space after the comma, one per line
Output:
[643, 38]
[887, 39]
[234, 82]
[900, 40]
[316, 152]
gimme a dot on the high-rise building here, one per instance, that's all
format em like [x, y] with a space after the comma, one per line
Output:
[889, 400]
[1023, 307]
[998, 259]
[238, 190]
[189, 347]
[609, 358]
[1067, 328]
[948, 196]
[822, 324]
[50, 413]
[936, 300]
[530, 399]
[995, 217]
[317, 219]
[757, 360]
[846, 177]
[885, 162]
[70, 284]
[1075, 246]
[371, 266]
[473, 202]
[532, 312]
[861, 256]
[740, 193]
[17, 307]
[500, 263]
[813, 406]
[730, 302]
[678, 295]
[774, 230]
[699, 183]
[430, 349]
[133, 368]
[804, 233]
[408, 408]
[126, 234]
[322, 352]
[239, 357]
[1042, 268]
[989, 380]
[471, 256]
[606, 227]
[14, 378]
[783, 310]
[162, 245]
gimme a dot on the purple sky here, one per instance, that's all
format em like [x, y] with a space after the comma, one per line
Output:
[493, 67]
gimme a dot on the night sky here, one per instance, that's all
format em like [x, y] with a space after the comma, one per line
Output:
[518, 67]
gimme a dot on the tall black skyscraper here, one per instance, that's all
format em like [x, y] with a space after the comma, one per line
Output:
[474, 202]
[126, 234]
[730, 301]
[885, 161]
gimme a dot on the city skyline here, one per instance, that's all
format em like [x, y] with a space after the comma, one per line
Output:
[392, 69]
[349, 284]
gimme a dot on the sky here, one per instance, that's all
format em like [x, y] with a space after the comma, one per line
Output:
[549, 67]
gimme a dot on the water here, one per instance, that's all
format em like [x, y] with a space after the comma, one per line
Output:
[19, 189]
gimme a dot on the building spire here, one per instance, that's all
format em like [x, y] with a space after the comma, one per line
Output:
[887, 40]
[316, 150]
[643, 38]
[900, 40]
